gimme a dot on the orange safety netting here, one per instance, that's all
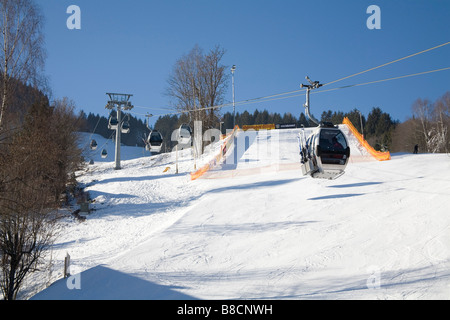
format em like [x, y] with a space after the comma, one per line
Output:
[223, 150]
[258, 127]
[381, 156]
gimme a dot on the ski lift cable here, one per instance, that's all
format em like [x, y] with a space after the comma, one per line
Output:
[103, 146]
[347, 86]
[358, 73]
[360, 84]
[278, 97]
[384, 80]
[92, 133]
[125, 117]
[388, 63]
[152, 108]
[95, 128]
[269, 97]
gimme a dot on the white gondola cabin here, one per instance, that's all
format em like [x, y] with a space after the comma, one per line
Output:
[93, 145]
[184, 134]
[154, 141]
[325, 153]
[125, 127]
[113, 123]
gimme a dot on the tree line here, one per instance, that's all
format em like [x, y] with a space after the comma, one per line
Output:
[427, 127]
[38, 158]
[378, 127]
[94, 123]
[38, 148]
[197, 85]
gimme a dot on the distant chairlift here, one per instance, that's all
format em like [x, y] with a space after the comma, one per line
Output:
[154, 141]
[104, 153]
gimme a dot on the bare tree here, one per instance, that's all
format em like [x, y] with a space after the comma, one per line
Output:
[405, 136]
[34, 172]
[25, 202]
[432, 121]
[197, 85]
[21, 48]
[62, 127]
[441, 116]
[26, 231]
[422, 110]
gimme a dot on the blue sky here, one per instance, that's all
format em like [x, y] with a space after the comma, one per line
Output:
[132, 46]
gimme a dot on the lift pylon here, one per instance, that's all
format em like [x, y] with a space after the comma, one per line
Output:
[119, 101]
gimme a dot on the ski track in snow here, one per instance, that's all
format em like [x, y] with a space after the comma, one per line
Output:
[258, 229]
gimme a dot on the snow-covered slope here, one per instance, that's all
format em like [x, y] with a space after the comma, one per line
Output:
[127, 152]
[255, 228]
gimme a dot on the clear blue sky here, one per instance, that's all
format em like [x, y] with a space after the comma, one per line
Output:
[131, 46]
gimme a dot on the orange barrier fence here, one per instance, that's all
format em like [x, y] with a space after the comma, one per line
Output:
[258, 127]
[218, 158]
[381, 156]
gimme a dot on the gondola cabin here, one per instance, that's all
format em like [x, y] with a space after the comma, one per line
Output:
[154, 141]
[125, 127]
[113, 123]
[93, 145]
[184, 134]
[325, 153]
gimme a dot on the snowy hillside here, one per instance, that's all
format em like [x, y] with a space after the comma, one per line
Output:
[127, 152]
[258, 229]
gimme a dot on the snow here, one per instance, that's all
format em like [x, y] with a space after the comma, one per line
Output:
[127, 152]
[256, 229]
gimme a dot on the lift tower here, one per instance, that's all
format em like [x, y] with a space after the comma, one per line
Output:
[119, 101]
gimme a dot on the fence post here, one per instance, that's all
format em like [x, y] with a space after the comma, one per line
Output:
[67, 266]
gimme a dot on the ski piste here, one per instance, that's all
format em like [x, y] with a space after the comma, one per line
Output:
[260, 230]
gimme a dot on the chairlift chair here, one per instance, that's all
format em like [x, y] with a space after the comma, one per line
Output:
[104, 153]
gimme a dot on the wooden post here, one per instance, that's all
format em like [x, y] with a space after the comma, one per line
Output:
[176, 158]
[67, 266]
